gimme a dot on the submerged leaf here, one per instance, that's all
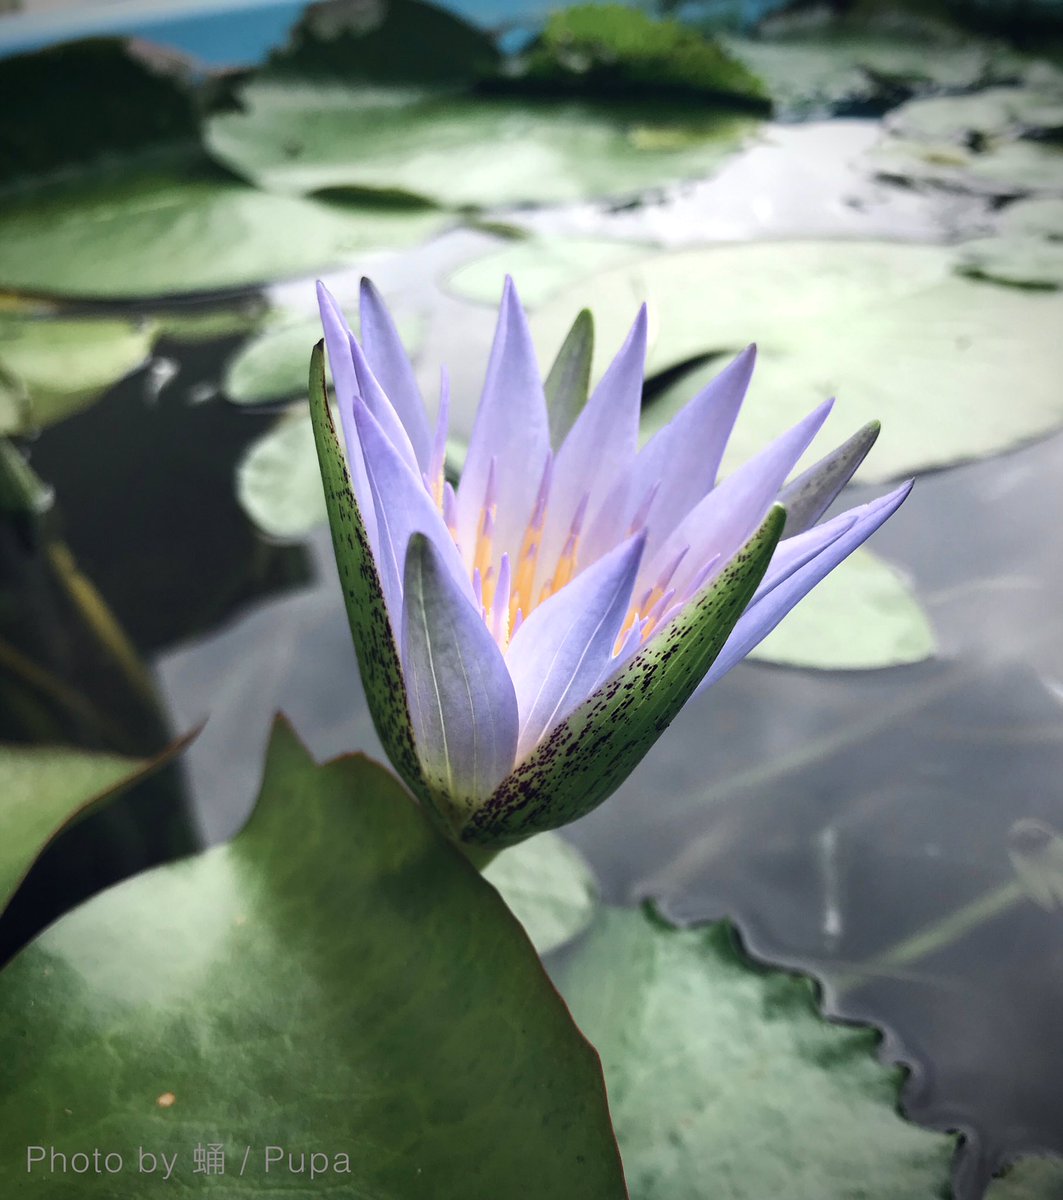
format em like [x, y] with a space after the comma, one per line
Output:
[724, 1076]
[307, 986]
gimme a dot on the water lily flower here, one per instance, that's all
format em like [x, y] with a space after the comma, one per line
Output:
[525, 637]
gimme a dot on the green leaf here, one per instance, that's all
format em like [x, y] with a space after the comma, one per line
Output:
[272, 365]
[541, 266]
[57, 367]
[374, 639]
[1019, 261]
[890, 329]
[862, 615]
[589, 754]
[45, 789]
[609, 49]
[842, 69]
[568, 382]
[725, 1080]
[1030, 1179]
[1001, 141]
[317, 985]
[306, 136]
[132, 234]
[278, 482]
[548, 886]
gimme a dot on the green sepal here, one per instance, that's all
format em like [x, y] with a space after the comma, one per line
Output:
[587, 756]
[374, 640]
[569, 381]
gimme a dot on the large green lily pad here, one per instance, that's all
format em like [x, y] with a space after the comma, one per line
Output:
[53, 367]
[1027, 249]
[725, 1080]
[337, 980]
[465, 151]
[548, 886]
[43, 789]
[126, 235]
[890, 329]
[862, 615]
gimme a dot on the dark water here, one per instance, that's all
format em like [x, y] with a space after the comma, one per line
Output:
[834, 815]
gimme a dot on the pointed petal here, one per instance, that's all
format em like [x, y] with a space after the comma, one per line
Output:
[461, 699]
[727, 516]
[601, 445]
[809, 496]
[341, 364]
[586, 757]
[392, 367]
[569, 379]
[559, 652]
[379, 405]
[511, 427]
[404, 508]
[374, 641]
[769, 609]
[683, 458]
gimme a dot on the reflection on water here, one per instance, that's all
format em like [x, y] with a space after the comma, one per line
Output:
[836, 816]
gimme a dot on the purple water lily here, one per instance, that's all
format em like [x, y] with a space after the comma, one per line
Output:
[526, 637]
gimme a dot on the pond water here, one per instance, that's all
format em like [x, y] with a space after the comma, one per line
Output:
[861, 825]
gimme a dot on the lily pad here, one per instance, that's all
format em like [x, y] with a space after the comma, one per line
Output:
[548, 886]
[128, 235]
[55, 367]
[1020, 261]
[1030, 1179]
[44, 789]
[862, 615]
[278, 482]
[542, 266]
[1034, 218]
[320, 985]
[841, 71]
[272, 365]
[1000, 141]
[890, 329]
[464, 151]
[724, 1078]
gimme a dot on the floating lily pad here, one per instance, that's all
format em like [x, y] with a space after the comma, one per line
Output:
[135, 235]
[862, 615]
[725, 1080]
[43, 789]
[1034, 218]
[838, 70]
[1001, 141]
[541, 266]
[278, 482]
[1020, 261]
[337, 980]
[890, 329]
[458, 150]
[549, 887]
[273, 365]
[55, 367]
[1030, 1179]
